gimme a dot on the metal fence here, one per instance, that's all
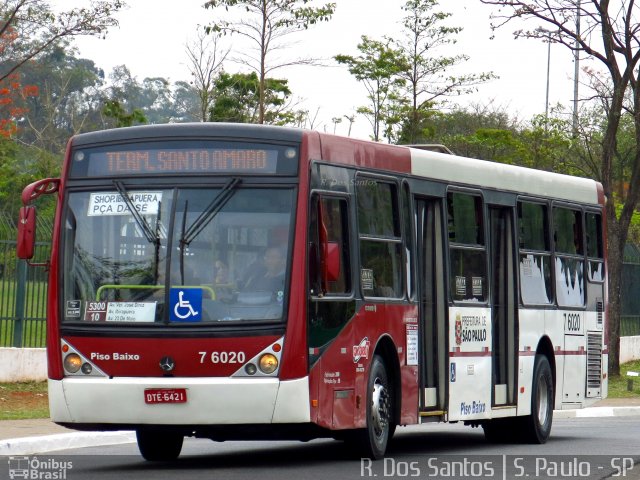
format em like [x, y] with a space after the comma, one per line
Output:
[23, 289]
[630, 319]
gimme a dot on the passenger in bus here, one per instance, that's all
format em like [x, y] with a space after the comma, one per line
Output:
[220, 273]
[269, 274]
[222, 283]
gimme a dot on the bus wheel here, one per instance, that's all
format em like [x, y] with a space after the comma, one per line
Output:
[372, 440]
[156, 446]
[538, 424]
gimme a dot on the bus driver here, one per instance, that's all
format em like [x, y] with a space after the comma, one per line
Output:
[269, 276]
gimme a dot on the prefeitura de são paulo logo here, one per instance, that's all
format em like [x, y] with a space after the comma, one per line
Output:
[458, 329]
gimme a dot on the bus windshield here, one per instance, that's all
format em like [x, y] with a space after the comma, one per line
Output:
[186, 256]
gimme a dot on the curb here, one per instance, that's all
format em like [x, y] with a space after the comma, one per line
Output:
[596, 412]
[63, 441]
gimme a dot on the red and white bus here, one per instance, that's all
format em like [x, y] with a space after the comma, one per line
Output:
[247, 282]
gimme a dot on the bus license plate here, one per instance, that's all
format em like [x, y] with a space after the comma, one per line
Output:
[165, 395]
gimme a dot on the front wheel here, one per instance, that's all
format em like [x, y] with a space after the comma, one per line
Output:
[373, 439]
[538, 424]
[159, 446]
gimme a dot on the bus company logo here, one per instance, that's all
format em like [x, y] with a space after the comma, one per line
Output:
[458, 329]
[35, 468]
[361, 350]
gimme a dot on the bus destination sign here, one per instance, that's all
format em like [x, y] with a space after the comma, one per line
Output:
[196, 160]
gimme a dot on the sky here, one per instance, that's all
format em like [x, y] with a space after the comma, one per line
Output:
[152, 36]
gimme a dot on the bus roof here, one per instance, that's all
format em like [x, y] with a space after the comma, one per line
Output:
[500, 176]
[189, 130]
[423, 163]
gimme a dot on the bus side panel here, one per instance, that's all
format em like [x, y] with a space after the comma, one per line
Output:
[469, 363]
[332, 381]
[379, 326]
[532, 328]
[339, 378]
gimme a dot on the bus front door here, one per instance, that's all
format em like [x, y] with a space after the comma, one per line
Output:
[432, 317]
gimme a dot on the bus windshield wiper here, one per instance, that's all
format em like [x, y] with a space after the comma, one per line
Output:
[148, 232]
[209, 213]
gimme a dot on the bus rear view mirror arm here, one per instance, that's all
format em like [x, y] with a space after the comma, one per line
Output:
[46, 186]
[27, 220]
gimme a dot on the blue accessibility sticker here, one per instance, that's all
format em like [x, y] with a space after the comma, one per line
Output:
[186, 304]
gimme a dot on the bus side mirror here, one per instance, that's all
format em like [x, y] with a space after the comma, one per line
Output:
[26, 233]
[331, 262]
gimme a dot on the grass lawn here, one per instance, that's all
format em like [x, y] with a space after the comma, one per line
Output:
[618, 385]
[19, 401]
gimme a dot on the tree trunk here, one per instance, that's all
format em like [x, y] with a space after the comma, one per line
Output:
[615, 256]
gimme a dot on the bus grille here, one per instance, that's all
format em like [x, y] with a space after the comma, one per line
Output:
[594, 364]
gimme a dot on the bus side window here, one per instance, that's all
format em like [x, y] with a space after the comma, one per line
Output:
[595, 247]
[536, 287]
[569, 257]
[329, 219]
[467, 251]
[381, 266]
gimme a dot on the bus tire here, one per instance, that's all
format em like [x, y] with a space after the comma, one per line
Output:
[372, 440]
[157, 446]
[537, 426]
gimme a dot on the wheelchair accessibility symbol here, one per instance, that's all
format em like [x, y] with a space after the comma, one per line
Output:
[186, 304]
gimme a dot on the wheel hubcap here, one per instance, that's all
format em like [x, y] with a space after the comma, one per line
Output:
[380, 408]
[543, 400]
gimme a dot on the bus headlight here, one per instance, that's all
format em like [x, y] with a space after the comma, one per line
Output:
[72, 363]
[268, 363]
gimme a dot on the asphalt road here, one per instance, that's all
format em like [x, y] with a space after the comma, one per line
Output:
[579, 448]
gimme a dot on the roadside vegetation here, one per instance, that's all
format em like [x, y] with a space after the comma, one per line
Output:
[21, 401]
[618, 384]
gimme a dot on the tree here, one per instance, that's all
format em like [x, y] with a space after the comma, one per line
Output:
[427, 74]
[114, 110]
[237, 100]
[607, 34]
[153, 97]
[187, 103]
[205, 60]
[265, 23]
[12, 103]
[377, 67]
[37, 28]
[68, 102]
[12, 93]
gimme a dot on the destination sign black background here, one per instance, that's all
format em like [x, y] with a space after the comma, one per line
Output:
[184, 158]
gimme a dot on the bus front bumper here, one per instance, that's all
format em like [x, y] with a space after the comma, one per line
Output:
[209, 401]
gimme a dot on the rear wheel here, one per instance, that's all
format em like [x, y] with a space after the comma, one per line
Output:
[537, 426]
[159, 446]
[373, 439]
